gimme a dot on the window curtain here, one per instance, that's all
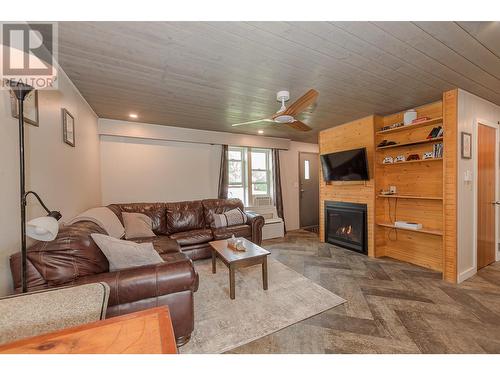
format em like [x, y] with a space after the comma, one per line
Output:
[224, 173]
[278, 199]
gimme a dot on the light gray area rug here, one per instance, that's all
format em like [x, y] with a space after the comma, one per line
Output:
[222, 324]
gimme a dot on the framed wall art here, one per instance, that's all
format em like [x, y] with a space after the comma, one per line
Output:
[466, 145]
[30, 108]
[68, 127]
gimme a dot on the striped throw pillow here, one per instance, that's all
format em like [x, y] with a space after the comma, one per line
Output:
[230, 218]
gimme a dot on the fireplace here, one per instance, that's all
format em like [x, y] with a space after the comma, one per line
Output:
[345, 225]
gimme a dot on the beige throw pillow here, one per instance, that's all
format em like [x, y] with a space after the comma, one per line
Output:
[137, 225]
[123, 254]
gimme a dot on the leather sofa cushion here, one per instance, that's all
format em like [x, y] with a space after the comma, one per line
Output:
[219, 206]
[35, 279]
[137, 225]
[198, 251]
[156, 211]
[237, 230]
[71, 255]
[184, 216]
[193, 237]
[162, 244]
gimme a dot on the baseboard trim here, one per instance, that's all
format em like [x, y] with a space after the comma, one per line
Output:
[462, 276]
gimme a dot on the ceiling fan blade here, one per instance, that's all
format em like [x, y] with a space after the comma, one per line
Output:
[301, 103]
[253, 122]
[299, 125]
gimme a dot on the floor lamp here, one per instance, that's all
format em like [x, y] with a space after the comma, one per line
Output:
[42, 228]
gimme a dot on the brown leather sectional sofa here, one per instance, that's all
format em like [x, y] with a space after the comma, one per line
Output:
[182, 229]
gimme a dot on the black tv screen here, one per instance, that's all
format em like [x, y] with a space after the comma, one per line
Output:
[348, 165]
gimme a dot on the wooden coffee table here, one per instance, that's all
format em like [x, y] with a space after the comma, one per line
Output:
[233, 259]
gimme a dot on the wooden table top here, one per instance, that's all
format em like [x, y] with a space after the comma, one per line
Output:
[144, 332]
[230, 255]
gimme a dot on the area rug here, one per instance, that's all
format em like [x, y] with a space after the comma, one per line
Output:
[222, 324]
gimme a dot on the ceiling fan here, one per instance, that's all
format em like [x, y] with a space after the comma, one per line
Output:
[287, 115]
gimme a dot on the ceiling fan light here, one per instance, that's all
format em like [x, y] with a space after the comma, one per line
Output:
[284, 119]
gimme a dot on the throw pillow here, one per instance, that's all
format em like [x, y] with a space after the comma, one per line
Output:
[230, 218]
[126, 254]
[137, 225]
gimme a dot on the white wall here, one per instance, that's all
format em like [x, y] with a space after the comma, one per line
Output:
[290, 181]
[66, 178]
[148, 170]
[139, 162]
[471, 108]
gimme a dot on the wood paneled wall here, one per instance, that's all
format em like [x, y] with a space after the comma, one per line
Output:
[355, 134]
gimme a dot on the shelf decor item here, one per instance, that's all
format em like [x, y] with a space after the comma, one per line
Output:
[409, 116]
[419, 120]
[388, 160]
[68, 127]
[466, 145]
[413, 157]
[408, 225]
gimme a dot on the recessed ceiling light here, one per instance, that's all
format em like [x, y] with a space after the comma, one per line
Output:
[133, 115]
[261, 132]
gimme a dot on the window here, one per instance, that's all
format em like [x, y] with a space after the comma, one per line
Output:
[306, 170]
[236, 168]
[250, 173]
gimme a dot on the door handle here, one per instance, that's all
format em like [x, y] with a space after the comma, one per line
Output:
[302, 190]
[496, 203]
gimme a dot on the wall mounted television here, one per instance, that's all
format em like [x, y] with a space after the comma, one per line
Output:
[350, 165]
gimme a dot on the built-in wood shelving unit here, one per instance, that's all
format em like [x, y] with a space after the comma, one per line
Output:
[412, 143]
[434, 232]
[420, 188]
[433, 121]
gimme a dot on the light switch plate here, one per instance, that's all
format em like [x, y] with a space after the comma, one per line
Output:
[468, 176]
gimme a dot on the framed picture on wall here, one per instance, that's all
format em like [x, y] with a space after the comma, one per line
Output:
[68, 127]
[30, 108]
[466, 145]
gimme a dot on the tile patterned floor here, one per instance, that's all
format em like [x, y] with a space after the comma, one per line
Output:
[392, 307]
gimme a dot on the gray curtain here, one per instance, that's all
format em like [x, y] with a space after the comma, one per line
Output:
[278, 199]
[224, 173]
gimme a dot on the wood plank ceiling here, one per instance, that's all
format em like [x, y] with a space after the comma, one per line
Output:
[208, 75]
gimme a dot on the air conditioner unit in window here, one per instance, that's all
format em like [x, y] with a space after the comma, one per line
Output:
[273, 225]
[262, 201]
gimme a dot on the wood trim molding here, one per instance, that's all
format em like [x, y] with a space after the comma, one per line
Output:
[450, 123]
